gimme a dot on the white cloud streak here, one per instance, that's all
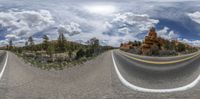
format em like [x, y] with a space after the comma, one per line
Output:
[195, 16]
[22, 24]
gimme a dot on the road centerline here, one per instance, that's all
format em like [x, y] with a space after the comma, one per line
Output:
[142, 89]
[160, 62]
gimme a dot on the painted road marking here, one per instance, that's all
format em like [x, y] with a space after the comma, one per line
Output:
[4, 66]
[178, 56]
[142, 89]
[160, 62]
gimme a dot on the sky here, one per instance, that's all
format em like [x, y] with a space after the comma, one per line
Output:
[111, 21]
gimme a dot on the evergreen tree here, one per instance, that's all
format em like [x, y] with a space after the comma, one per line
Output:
[31, 43]
[26, 43]
[61, 42]
[45, 42]
[10, 44]
[70, 54]
[50, 50]
[180, 47]
[80, 53]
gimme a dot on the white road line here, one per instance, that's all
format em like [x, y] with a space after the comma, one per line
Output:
[4, 66]
[142, 89]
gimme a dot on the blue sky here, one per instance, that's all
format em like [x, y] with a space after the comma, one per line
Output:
[111, 21]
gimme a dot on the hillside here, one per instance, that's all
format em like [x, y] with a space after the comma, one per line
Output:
[57, 54]
[153, 45]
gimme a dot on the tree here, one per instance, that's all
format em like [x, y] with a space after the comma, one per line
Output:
[31, 43]
[61, 42]
[180, 47]
[121, 44]
[26, 43]
[50, 50]
[70, 54]
[167, 45]
[45, 42]
[89, 52]
[10, 44]
[80, 53]
[94, 43]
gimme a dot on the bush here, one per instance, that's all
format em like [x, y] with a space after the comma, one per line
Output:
[167, 53]
[155, 50]
[80, 53]
[180, 47]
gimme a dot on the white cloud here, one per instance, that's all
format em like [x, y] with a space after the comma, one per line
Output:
[127, 26]
[3, 42]
[195, 16]
[130, 23]
[191, 42]
[22, 24]
[70, 29]
[141, 21]
[167, 34]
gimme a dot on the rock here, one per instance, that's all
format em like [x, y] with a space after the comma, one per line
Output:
[150, 42]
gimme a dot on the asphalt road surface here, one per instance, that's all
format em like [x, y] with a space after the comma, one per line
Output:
[98, 78]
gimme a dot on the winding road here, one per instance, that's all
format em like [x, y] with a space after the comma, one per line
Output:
[112, 75]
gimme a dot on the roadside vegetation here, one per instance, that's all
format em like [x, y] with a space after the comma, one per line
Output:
[57, 54]
[168, 49]
[157, 46]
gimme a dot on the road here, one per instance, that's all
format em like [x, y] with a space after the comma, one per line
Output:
[98, 79]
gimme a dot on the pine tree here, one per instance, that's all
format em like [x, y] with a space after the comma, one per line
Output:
[45, 42]
[31, 43]
[50, 50]
[26, 43]
[10, 44]
[180, 47]
[61, 42]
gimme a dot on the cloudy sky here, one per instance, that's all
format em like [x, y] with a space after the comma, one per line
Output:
[112, 22]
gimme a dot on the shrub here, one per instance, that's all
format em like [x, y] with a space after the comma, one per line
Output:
[80, 53]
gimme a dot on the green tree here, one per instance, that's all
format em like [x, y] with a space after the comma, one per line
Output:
[26, 43]
[10, 44]
[166, 45]
[180, 47]
[80, 53]
[45, 42]
[31, 43]
[121, 44]
[70, 54]
[61, 42]
[51, 50]
[94, 43]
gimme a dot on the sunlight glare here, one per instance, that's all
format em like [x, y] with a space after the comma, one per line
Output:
[101, 9]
